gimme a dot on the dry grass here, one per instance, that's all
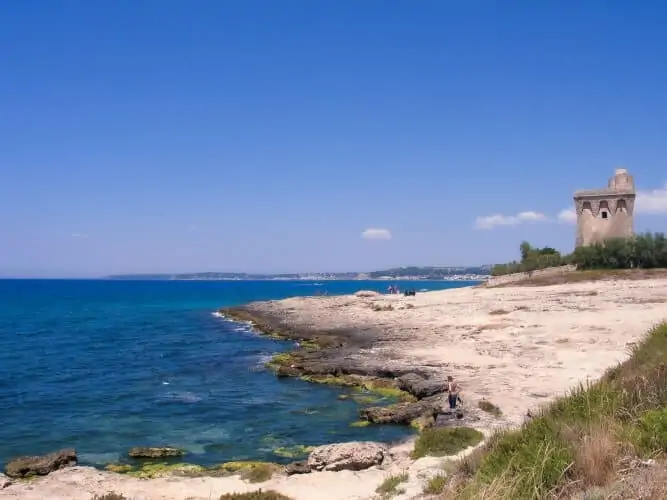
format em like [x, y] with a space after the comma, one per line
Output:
[596, 457]
[589, 441]
[586, 276]
[498, 312]
[489, 407]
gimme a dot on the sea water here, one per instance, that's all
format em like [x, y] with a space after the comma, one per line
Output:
[105, 365]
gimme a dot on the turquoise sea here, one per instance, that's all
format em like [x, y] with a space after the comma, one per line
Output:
[104, 365]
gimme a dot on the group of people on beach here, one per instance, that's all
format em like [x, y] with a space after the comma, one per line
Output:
[394, 290]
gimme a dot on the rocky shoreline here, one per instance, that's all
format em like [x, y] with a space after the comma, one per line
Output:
[335, 357]
[513, 349]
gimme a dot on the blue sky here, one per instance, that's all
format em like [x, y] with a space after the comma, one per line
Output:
[141, 136]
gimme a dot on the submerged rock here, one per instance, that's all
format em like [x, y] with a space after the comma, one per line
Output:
[357, 455]
[41, 465]
[139, 452]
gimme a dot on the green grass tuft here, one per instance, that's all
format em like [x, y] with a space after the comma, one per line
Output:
[582, 440]
[435, 485]
[391, 485]
[442, 441]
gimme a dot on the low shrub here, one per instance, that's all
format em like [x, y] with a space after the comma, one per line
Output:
[442, 441]
[489, 407]
[255, 495]
[110, 496]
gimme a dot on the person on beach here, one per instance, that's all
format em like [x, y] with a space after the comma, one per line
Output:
[453, 390]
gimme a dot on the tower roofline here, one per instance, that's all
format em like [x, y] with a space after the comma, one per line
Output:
[602, 193]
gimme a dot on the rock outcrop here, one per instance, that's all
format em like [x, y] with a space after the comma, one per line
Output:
[41, 465]
[356, 455]
[401, 413]
[421, 387]
[4, 481]
[155, 452]
[297, 468]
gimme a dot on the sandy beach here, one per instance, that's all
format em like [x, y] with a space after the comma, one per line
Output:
[518, 347]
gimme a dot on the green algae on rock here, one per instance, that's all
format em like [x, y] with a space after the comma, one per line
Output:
[295, 451]
[360, 423]
[119, 468]
[154, 470]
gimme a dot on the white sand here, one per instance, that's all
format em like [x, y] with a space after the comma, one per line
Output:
[548, 340]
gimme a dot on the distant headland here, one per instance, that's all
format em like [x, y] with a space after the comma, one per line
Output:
[471, 273]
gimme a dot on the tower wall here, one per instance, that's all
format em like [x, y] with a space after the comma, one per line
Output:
[606, 213]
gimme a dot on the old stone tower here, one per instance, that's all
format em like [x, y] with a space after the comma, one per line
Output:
[608, 212]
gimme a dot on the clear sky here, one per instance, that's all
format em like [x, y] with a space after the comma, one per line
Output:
[170, 136]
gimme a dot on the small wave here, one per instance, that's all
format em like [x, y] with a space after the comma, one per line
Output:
[260, 361]
[183, 397]
[218, 314]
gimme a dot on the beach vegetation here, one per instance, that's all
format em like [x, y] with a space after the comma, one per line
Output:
[392, 485]
[255, 495]
[642, 251]
[489, 407]
[110, 496]
[382, 307]
[251, 471]
[435, 484]
[532, 259]
[443, 441]
[583, 441]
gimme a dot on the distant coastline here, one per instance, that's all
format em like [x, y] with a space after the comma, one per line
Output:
[473, 273]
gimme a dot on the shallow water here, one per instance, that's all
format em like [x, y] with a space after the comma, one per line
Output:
[106, 365]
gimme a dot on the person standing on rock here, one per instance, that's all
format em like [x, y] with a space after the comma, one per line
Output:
[453, 390]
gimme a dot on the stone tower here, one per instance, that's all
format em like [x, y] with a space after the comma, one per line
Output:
[608, 212]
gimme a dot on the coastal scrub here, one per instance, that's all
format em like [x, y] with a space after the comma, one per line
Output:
[255, 495]
[584, 440]
[489, 407]
[443, 441]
